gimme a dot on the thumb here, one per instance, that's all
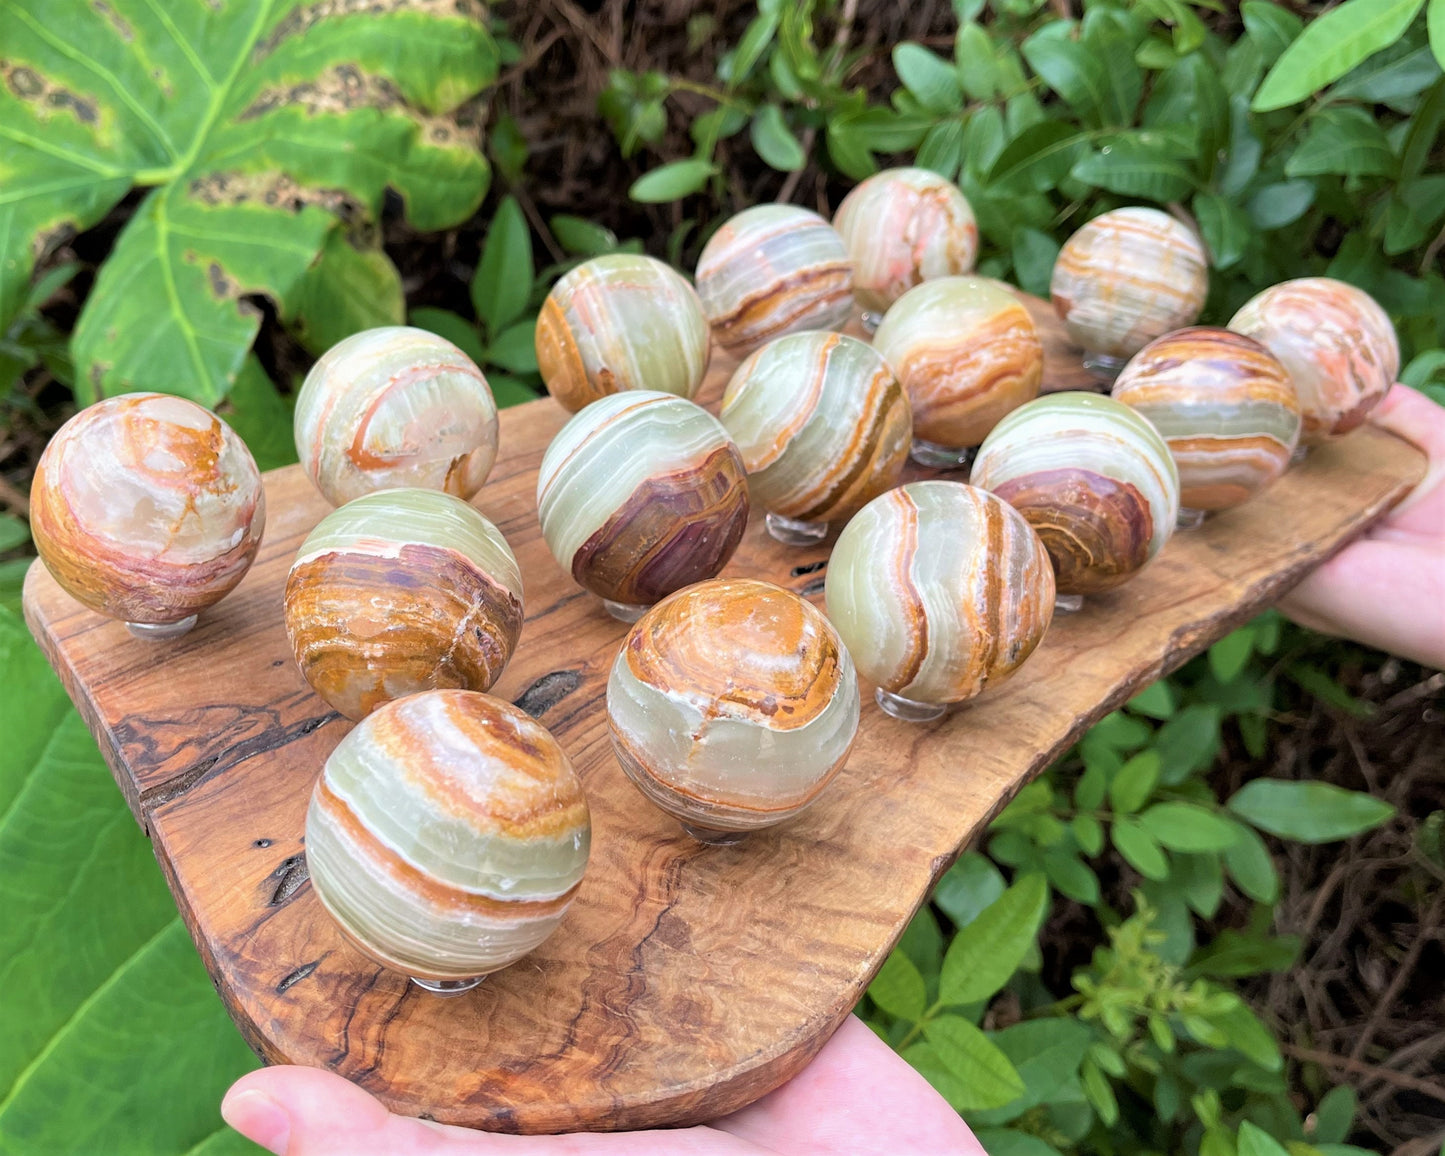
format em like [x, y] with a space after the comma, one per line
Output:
[296, 1111]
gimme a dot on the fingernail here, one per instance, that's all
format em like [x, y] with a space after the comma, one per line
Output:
[258, 1118]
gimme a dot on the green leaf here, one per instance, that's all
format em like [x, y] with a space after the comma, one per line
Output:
[349, 289]
[930, 78]
[942, 149]
[1348, 141]
[1134, 782]
[1046, 1053]
[459, 331]
[1099, 1093]
[508, 148]
[1070, 876]
[1088, 833]
[774, 140]
[1226, 229]
[922, 942]
[1187, 743]
[1200, 879]
[1271, 27]
[1254, 1141]
[12, 583]
[1317, 683]
[253, 137]
[1251, 866]
[1007, 1142]
[580, 236]
[1139, 848]
[1230, 654]
[1156, 700]
[672, 181]
[1187, 827]
[973, 54]
[1435, 21]
[1335, 1115]
[1391, 77]
[515, 348]
[1034, 253]
[262, 417]
[985, 953]
[968, 887]
[13, 532]
[503, 280]
[1038, 158]
[974, 1059]
[1330, 46]
[1274, 206]
[507, 390]
[755, 40]
[898, 988]
[1067, 66]
[112, 1029]
[1233, 954]
[1308, 812]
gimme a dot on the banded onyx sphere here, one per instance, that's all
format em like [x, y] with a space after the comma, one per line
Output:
[398, 592]
[1092, 477]
[903, 226]
[1127, 277]
[1225, 406]
[447, 835]
[821, 422]
[617, 322]
[732, 704]
[771, 270]
[395, 407]
[1337, 343]
[940, 591]
[147, 508]
[641, 494]
[967, 352]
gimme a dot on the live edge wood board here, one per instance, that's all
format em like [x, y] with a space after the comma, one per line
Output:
[686, 980]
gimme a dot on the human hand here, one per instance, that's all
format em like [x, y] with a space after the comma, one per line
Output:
[1387, 589]
[857, 1098]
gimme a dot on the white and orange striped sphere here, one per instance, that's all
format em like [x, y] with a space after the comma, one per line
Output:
[1337, 343]
[447, 835]
[1127, 277]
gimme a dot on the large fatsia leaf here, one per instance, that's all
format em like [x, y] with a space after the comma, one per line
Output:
[256, 124]
[113, 1038]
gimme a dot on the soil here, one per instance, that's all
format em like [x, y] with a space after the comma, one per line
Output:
[1365, 1003]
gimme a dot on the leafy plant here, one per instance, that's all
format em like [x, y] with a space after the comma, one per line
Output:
[1152, 1050]
[256, 128]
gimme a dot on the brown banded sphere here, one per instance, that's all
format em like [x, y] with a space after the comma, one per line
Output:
[1225, 406]
[147, 508]
[402, 591]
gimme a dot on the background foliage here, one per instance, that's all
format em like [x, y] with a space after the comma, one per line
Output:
[202, 203]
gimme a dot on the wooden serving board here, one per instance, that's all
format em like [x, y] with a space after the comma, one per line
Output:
[686, 980]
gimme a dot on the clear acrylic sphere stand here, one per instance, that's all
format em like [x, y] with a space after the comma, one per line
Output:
[940, 457]
[794, 531]
[624, 611]
[160, 631]
[907, 709]
[445, 987]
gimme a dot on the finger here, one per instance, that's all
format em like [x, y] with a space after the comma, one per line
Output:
[1409, 414]
[1385, 593]
[857, 1097]
[297, 1111]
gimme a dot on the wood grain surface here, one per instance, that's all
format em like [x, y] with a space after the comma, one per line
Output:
[686, 980]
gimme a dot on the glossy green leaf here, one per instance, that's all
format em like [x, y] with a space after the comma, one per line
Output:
[1348, 141]
[1227, 231]
[1136, 165]
[968, 887]
[898, 988]
[1233, 954]
[1308, 812]
[1034, 253]
[1251, 866]
[1390, 77]
[262, 416]
[1330, 46]
[1069, 68]
[1046, 1054]
[1156, 700]
[847, 150]
[1187, 743]
[1007, 1142]
[503, 280]
[930, 78]
[1038, 158]
[922, 942]
[942, 149]
[1088, 833]
[774, 140]
[580, 236]
[1435, 21]
[458, 330]
[1187, 827]
[1200, 879]
[672, 181]
[1270, 26]
[353, 286]
[1100, 1093]
[112, 1029]
[987, 951]
[974, 55]
[1335, 1114]
[235, 118]
[974, 1059]
[515, 348]
[508, 390]
[1134, 782]
[1139, 848]
[1255, 1141]
[1274, 206]
[1228, 656]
